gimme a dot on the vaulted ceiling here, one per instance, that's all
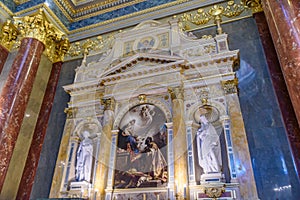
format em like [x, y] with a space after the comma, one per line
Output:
[86, 18]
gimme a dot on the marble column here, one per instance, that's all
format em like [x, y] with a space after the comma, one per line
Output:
[7, 40]
[283, 98]
[3, 56]
[239, 155]
[284, 22]
[39, 135]
[179, 141]
[191, 129]
[229, 148]
[15, 96]
[105, 143]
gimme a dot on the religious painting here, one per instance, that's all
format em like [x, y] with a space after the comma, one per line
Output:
[145, 45]
[141, 158]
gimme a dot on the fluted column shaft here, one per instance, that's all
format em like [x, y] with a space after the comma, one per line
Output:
[15, 96]
[39, 135]
[179, 143]
[105, 143]
[284, 22]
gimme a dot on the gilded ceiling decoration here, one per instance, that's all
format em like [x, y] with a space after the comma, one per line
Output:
[82, 19]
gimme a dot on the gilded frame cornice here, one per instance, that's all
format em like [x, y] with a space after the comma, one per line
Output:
[73, 11]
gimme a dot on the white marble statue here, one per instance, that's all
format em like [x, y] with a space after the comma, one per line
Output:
[84, 158]
[208, 145]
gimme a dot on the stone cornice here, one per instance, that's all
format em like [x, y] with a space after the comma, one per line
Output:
[172, 67]
[125, 76]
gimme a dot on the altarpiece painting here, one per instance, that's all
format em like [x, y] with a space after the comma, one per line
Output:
[141, 149]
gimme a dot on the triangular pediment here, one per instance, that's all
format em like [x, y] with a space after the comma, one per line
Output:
[140, 62]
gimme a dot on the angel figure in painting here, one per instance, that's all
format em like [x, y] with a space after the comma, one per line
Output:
[146, 114]
[208, 145]
[84, 158]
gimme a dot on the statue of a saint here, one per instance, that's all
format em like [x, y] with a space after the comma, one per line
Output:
[208, 145]
[84, 158]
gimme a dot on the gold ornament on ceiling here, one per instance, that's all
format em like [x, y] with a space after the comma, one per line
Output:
[217, 12]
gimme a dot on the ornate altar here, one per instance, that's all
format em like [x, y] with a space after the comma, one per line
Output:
[141, 103]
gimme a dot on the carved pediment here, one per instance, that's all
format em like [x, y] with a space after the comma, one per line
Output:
[140, 62]
[147, 24]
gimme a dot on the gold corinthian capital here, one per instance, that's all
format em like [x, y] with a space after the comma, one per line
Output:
[8, 35]
[39, 27]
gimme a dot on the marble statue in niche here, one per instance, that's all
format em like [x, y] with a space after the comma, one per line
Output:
[84, 158]
[141, 149]
[208, 145]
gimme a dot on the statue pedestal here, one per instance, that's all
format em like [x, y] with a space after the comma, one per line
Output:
[79, 189]
[212, 177]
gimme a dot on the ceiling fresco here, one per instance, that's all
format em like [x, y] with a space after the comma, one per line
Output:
[78, 17]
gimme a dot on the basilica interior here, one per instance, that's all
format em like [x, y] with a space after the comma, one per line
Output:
[149, 100]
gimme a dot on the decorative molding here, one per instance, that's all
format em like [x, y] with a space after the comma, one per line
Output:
[142, 98]
[255, 5]
[176, 92]
[71, 112]
[9, 34]
[214, 192]
[98, 44]
[215, 12]
[109, 103]
[230, 86]
[79, 13]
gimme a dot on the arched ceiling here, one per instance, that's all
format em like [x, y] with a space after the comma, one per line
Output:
[86, 18]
